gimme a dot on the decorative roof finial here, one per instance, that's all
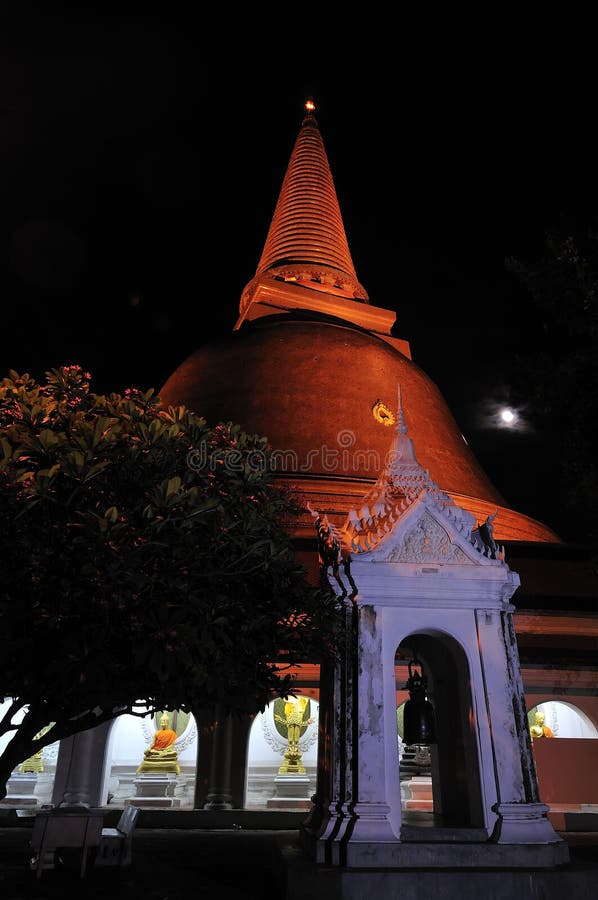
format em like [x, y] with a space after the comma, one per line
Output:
[401, 423]
[310, 106]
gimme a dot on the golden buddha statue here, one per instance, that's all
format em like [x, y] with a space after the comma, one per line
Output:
[539, 729]
[161, 755]
[35, 762]
[293, 719]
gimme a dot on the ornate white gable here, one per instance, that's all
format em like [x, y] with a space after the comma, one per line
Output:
[406, 517]
[422, 540]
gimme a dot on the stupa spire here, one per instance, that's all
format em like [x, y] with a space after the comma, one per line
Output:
[306, 240]
[306, 243]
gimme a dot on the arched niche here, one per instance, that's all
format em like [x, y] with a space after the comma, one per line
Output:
[565, 720]
[266, 747]
[129, 736]
[453, 763]
[31, 783]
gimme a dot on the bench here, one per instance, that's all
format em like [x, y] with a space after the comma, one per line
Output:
[116, 844]
[64, 829]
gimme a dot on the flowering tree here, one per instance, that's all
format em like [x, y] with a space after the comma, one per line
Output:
[144, 559]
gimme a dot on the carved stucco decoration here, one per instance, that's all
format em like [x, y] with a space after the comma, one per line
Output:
[50, 752]
[425, 542]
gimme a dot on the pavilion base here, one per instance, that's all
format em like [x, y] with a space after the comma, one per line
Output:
[498, 879]
[522, 837]
[443, 848]
[400, 855]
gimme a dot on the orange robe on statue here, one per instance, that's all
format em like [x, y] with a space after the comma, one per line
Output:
[163, 739]
[162, 755]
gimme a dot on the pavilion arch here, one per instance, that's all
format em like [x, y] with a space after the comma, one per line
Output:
[454, 759]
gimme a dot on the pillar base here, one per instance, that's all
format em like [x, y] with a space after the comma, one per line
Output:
[354, 832]
[218, 801]
[444, 855]
[523, 823]
[361, 838]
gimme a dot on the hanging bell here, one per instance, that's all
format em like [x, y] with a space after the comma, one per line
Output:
[418, 717]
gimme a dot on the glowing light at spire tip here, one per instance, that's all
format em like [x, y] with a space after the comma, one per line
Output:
[310, 106]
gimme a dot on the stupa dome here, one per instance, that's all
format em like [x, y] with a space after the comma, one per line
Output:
[321, 391]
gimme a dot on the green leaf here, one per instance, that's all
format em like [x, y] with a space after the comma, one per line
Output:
[111, 514]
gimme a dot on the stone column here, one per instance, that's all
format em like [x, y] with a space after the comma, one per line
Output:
[77, 788]
[240, 728]
[219, 789]
[499, 690]
[335, 777]
[528, 768]
[522, 818]
[313, 826]
[370, 823]
[205, 734]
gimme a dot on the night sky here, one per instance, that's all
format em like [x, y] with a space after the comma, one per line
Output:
[139, 174]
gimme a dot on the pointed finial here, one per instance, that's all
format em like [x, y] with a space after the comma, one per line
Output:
[401, 423]
[310, 106]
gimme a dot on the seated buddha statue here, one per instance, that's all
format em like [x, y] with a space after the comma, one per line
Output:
[539, 729]
[161, 755]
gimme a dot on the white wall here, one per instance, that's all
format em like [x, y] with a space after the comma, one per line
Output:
[566, 720]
